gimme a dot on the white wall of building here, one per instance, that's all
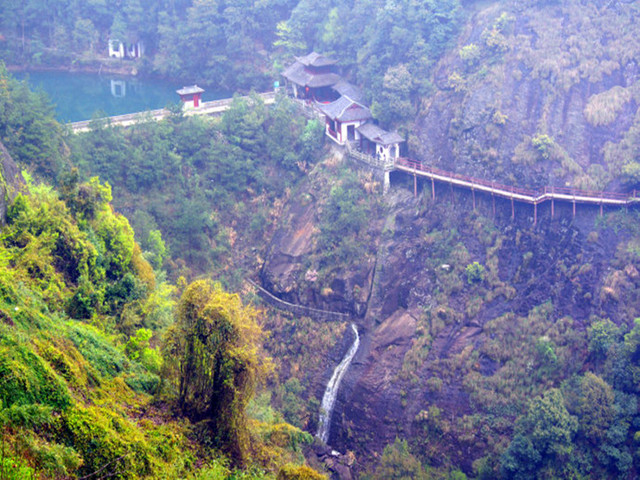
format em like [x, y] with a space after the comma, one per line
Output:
[387, 152]
[343, 132]
[116, 49]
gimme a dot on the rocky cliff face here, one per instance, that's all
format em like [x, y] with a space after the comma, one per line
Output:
[455, 305]
[536, 93]
[300, 267]
[429, 334]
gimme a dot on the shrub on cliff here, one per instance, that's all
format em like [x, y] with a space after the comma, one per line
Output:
[217, 366]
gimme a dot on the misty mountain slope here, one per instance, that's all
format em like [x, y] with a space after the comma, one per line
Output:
[486, 340]
[538, 93]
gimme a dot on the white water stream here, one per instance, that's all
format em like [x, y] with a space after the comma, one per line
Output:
[330, 394]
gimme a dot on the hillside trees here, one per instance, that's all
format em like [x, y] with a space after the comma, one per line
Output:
[544, 437]
[28, 127]
[389, 45]
[215, 342]
[191, 177]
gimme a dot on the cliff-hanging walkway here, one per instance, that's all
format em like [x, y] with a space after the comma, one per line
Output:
[412, 167]
[519, 194]
[206, 108]
[301, 310]
[495, 189]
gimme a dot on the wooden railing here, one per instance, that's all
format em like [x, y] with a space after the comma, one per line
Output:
[373, 160]
[527, 195]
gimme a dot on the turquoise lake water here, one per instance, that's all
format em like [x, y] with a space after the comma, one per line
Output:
[77, 96]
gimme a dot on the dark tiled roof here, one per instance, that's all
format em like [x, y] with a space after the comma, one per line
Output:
[378, 135]
[350, 90]
[297, 74]
[314, 59]
[345, 110]
[189, 90]
[323, 80]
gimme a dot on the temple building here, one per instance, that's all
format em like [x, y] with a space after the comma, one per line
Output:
[190, 96]
[118, 49]
[312, 76]
[378, 142]
[343, 117]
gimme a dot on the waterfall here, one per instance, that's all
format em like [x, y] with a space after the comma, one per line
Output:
[330, 394]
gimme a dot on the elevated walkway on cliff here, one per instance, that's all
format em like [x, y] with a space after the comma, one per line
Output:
[214, 107]
[300, 310]
[515, 194]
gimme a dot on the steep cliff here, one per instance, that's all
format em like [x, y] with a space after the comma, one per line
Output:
[538, 93]
[466, 314]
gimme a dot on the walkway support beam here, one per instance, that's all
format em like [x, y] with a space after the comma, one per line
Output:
[525, 195]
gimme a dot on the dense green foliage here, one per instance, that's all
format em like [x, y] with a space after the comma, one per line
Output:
[388, 46]
[215, 345]
[84, 388]
[28, 127]
[81, 310]
[60, 375]
[349, 209]
[203, 183]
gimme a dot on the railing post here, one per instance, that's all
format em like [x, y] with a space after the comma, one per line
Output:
[535, 213]
[433, 189]
[493, 200]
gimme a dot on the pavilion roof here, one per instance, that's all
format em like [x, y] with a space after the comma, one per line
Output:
[297, 74]
[314, 59]
[378, 135]
[349, 89]
[345, 110]
[193, 89]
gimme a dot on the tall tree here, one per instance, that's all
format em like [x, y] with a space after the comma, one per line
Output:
[217, 343]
